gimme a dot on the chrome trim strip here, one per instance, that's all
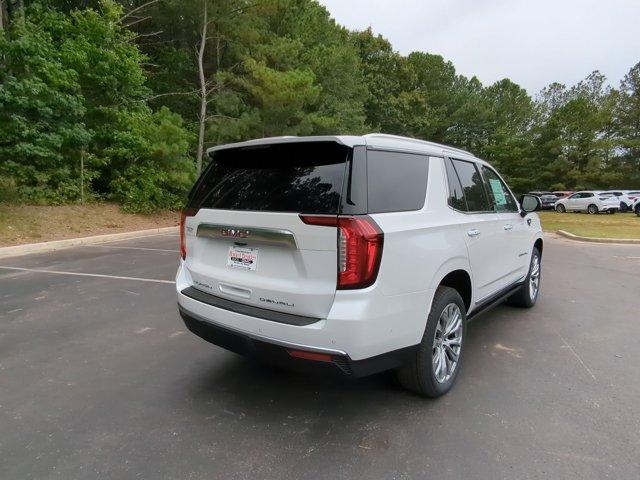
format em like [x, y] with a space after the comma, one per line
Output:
[264, 338]
[268, 236]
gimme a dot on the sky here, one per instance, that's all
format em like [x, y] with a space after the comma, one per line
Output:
[533, 42]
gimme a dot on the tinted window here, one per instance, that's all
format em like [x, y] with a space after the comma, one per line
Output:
[472, 186]
[456, 195]
[396, 181]
[293, 177]
[499, 194]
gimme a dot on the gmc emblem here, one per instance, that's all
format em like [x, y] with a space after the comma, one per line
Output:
[235, 233]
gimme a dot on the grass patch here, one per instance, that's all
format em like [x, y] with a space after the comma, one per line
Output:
[30, 223]
[602, 225]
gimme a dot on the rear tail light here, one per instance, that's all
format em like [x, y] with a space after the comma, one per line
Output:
[360, 243]
[306, 355]
[187, 212]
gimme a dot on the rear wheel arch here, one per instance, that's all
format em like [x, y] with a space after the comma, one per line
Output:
[459, 280]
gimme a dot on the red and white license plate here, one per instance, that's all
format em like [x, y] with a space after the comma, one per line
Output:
[242, 257]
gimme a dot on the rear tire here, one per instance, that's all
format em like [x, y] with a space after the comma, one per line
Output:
[561, 209]
[592, 209]
[433, 369]
[623, 207]
[528, 293]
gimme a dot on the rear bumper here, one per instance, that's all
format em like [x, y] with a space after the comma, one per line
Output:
[277, 352]
[360, 324]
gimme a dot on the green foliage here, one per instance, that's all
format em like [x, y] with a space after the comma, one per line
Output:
[73, 89]
[150, 166]
[41, 112]
[85, 82]
[626, 125]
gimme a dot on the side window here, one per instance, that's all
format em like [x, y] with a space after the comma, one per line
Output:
[456, 195]
[575, 195]
[397, 182]
[587, 195]
[472, 186]
[499, 194]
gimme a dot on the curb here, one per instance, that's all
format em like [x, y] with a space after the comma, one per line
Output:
[571, 236]
[42, 247]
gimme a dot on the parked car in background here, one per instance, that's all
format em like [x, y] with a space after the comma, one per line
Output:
[562, 193]
[636, 206]
[548, 199]
[625, 197]
[589, 201]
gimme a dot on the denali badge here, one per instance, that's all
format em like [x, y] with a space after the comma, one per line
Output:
[277, 302]
[234, 232]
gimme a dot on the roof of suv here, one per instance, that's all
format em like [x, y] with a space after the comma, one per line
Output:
[373, 140]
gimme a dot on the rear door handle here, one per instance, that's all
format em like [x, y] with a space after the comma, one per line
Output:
[474, 232]
[508, 226]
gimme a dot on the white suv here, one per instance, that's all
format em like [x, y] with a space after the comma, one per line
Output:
[590, 202]
[357, 254]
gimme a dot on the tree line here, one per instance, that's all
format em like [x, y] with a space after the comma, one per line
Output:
[119, 100]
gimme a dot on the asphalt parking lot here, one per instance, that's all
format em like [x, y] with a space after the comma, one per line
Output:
[100, 379]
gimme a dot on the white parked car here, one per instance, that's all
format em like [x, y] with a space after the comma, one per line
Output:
[357, 254]
[591, 202]
[625, 197]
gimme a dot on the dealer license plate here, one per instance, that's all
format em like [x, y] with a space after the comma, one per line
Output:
[242, 257]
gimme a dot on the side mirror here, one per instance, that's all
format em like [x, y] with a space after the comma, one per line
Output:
[528, 204]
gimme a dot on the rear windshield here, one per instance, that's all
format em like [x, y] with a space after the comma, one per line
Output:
[291, 177]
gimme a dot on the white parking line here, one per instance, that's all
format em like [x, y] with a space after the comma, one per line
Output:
[133, 248]
[80, 274]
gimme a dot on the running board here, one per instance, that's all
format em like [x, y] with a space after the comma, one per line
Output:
[494, 300]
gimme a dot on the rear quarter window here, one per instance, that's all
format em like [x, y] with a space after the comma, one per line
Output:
[397, 182]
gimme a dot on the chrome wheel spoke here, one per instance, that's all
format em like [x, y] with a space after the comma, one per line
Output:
[452, 342]
[453, 356]
[454, 324]
[445, 364]
[439, 366]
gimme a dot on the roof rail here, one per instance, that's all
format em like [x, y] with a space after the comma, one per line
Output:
[416, 140]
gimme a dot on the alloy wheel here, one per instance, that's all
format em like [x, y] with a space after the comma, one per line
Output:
[447, 343]
[534, 277]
